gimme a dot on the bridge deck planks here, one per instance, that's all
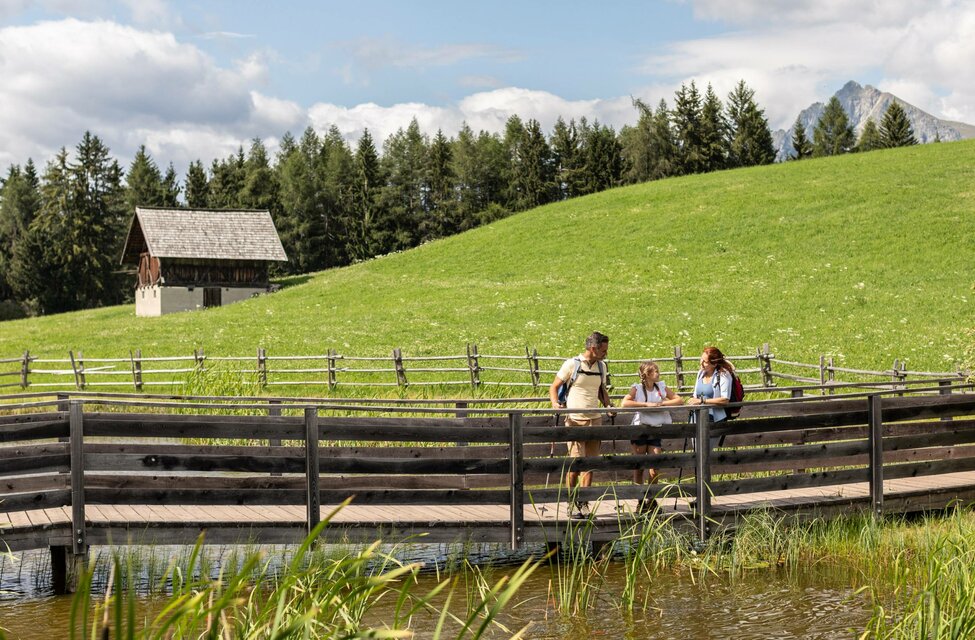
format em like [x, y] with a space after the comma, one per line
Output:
[928, 490]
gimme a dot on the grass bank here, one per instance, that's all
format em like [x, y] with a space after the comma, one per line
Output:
[866, 257]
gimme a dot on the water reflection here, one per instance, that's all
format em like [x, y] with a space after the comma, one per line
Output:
[815, 604]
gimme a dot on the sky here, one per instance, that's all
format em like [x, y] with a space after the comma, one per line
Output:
[195, 79]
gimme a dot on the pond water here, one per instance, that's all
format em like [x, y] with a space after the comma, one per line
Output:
[767, 603]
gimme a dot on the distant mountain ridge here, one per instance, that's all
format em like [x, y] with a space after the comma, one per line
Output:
[863, 103]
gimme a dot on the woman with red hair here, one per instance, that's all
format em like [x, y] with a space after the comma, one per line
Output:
[714, 383]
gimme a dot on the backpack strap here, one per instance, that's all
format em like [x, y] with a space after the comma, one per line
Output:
[575, 373]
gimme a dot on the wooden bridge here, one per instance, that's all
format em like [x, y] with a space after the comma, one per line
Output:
[90, 469]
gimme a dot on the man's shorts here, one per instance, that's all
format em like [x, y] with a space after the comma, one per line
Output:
[583, 448]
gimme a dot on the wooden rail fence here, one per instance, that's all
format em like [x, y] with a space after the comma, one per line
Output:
[473, 369]
[106, 470]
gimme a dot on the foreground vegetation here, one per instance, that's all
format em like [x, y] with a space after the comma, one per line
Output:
[916, 578]
[865, 257]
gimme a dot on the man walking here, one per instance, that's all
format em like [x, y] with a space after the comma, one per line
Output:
[585, 376]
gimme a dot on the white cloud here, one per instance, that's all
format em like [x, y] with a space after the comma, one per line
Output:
[486, 111]
[797, 52]
[61, 78]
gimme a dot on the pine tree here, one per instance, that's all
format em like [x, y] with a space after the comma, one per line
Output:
[688, 129]
[197, 186]
[895, 127]
[603, 159]
[68, 258]
[513, 143]
[367, 236]
[143, 184]
[664, 143]
[20, 201]
[170, 187]
[534, 172]
[833, 134]
[96, 227]
[336, 168]
[750, 139]
[870, 137]
[441, 202]
[637, 146]
[36, 265]
[404, 164]
[567, 159]
[800, 143]
[714, 132]
[227, 179]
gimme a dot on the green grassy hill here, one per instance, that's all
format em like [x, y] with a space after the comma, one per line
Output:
[865, 257]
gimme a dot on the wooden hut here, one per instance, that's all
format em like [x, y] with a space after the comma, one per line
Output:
[199, 258]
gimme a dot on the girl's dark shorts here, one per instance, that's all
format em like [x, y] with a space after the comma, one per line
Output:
[646, 442]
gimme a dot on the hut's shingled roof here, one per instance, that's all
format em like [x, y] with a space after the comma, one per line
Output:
[203, 233]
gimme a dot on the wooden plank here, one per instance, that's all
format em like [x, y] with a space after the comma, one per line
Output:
[32, 418]
[875, 413]
[279, 464]
[41, 430]
[35, 464]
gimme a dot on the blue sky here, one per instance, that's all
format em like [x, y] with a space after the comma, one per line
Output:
[195, 79]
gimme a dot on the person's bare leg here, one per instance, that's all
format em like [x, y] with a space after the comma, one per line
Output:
[638, 450]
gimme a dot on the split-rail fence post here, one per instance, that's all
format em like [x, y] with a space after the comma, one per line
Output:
[313, 496]
[136, 360]
[398, 366]
[473, 365]
[331, 369]
[767, 380]
[679, 367]
[532, 357]
[822, 375]
[517, 481]
[79, 369]
[262, 367]
[876, 440]
[702, 473]
[25, 370]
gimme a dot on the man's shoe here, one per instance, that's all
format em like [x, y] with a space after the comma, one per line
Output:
[648, 506]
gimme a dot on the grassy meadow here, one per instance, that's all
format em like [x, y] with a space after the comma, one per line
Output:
[864, 257]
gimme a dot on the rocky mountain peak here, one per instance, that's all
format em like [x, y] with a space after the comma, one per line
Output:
[863, 103]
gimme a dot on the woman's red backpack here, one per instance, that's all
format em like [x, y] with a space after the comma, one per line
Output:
[737, 395]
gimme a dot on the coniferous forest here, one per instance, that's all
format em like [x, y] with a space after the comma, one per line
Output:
[62, 225]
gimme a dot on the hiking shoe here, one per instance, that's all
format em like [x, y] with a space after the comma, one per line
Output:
[579, 510]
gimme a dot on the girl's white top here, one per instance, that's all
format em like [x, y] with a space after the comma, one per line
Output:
[655, 393]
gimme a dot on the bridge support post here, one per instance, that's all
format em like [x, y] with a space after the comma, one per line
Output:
[68, 563]
[876, 439]
[702, 474]
[517, 481]
[313, 498]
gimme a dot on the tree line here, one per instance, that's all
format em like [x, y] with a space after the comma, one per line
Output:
[833, 133]
[62, 229]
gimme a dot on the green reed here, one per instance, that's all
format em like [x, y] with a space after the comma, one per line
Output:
[317, 595]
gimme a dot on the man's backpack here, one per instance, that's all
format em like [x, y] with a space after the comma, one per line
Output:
[737, 395]
[563, 390]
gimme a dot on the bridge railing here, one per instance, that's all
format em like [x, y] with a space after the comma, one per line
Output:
[116, 452]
